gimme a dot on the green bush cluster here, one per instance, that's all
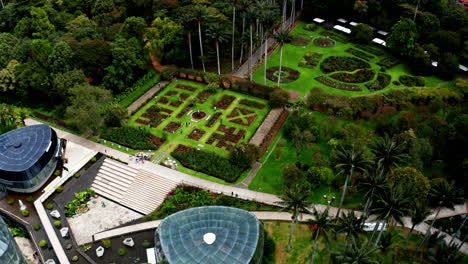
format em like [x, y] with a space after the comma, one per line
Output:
[49, 206]
[36, 227]
[146, 244]
[310, 27]
[209, 163]
[58, 224]
[341, 63]
[106, 243]
[411, 81]
[382, 81]
[122, 251]
[132, 137]
[29, 199]
[18, 231]
[43, 243]
[25, 213]
[10, 201]
[59, 189]
[148, 79]
[184, 196]
[81, 198]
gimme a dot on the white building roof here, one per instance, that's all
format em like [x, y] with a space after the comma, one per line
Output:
[342, 29]
[383, 33]
[319, 20]
[342, 20]
[462, 67]
[353, 24]
[380, 41]
[435, 63]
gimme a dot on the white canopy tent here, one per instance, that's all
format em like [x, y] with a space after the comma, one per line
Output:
[342, 29]
[344, 21]
[318, 20]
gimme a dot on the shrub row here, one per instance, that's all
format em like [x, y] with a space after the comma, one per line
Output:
[337, 85]
[360, 54]
[146, 80]
[272, 133]
[209, 163]
[388, 62]
[360, 76]
[132, 137]
[371, 49]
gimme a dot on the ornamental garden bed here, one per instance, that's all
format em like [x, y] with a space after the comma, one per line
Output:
[324, 42]
[335, 36]
[360, 76]
[203, 96]
[337, 85]
[370, 49]
[157, 141]
[196, 134]
[225, 102]
[184, 111]
[239, 111]
[287, 74]
[411, 80]
[341, 63]
[388, 62]
[132, 137]
[186, 87]
[310, 59]
[172, 127]
[300, 40]
[272, 133]
[360, 54]
[252, 104]
[382, 81]
[310, 27]
[213, 119]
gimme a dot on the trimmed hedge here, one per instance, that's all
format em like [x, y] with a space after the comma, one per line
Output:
[411, 81]
[140, 87]
[209, 163]
[132, 137]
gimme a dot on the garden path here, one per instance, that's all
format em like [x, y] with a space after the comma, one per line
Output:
[144, 98]
[266, 126]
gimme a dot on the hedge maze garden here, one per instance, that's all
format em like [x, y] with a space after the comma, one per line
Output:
[319, 57]
[187, 115]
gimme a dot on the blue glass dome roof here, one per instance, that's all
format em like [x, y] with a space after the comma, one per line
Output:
[236, 236]
[21, 148]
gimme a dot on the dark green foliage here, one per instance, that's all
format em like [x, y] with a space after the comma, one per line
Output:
[146, 244]
[411, 81]
[132, 137]
[210, 163]
[185, 196]
[362, 33]
[33, 79]
[115, 115]
[106, 243]
[243, 155]
[269, 247]
[81, 199]
[402, 37]
[43, 243]
[448, 66]
[335, 63]
[29, 199]
[36, 227]
[122, 251]
[59, 189]
[383, 80]
[25, 213]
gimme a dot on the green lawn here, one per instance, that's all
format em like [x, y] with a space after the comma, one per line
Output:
[180, 136]
[292, 55]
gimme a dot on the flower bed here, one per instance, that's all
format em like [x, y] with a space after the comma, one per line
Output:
[142, 122]
[341, 63]
[186, 87]
[324, 42]
[172, 127]
[411, 81]
[171, 93]
[371, 49]
[272, 133]
[246, 121]
[251, 103]
[183, 148]
[176, 104]
[388, 62]
[165, 110]
[360, 76]
[287, 74]
[341, 86]
[300, 40]
[184, 96]
[203, 96]
[132, 137]
[78, 205]
[310, 59]
[184, 111]
[163, 100]
[335, 36]
[196, 134]
[310, 27]
[360, 54]
[198, 115]
[383, 80]
[239, 111]
[225, 102]
[157, 141]
[213, 119]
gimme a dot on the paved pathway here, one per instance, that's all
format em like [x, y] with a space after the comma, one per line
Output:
[253, 172]
[144, 98]
[266, 126]
[180, 177]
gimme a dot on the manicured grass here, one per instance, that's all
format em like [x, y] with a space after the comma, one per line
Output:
[292, 55]
[141, 91]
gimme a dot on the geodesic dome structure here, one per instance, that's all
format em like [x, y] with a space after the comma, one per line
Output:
[211, 235]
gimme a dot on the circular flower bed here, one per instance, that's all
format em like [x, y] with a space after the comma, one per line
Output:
[300, 40]
[324, 42]
[198, 115]
[287, 74]
[342, 63]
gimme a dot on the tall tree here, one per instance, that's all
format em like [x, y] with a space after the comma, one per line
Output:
[200, 13]
[295, 200]
[418, 215]
[134, 27]
[321, 223]
[388, 153]
[349, 161]
[374, 183]
[161, 33]
[61, 58]
[218, 33]
[7, 76]
[281, 37]
[391, 206]
[11, 117]
[186, 18]
[349, 224]
[41, 25]
[402, 37]
[358, 253]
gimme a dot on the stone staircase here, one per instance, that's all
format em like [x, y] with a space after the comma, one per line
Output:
[136, 189]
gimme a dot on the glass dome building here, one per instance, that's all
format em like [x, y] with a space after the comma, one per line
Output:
[211, 235]
[28, 157]
[9, 251]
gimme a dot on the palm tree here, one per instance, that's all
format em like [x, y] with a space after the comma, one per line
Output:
[321, 223]
[295, 199]
[242, 4]
[348, 161]
[388, 153]
[442, 194]
[233, 32]
[391, 206]
[444, 254]
[217, 32]
[418, 215]
[187, 18]
[251, 13]
[349, 224]
[281, 37]
[356, 254]
[374, 183]
[200, 13]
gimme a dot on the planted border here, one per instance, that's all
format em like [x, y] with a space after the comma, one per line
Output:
[337, 85]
